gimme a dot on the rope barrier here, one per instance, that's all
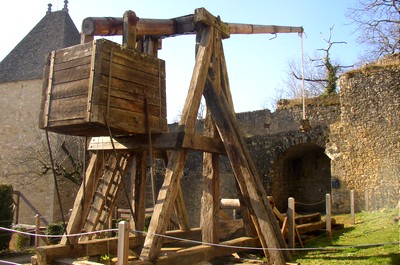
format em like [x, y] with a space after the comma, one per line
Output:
[310, 204]
[330, 248]
[9, 262]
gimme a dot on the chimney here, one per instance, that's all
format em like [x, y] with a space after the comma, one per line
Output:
[49, 9]
[65, 6]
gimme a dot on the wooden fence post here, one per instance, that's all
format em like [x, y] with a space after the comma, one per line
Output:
[123, 243]
[291, 222]
[328, 216]
[353, 217]
[37, 230]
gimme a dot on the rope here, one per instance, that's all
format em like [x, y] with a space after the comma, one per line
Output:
[56, 184]
[310, 204]
[214, 244]
[302, 76]
[9, 262]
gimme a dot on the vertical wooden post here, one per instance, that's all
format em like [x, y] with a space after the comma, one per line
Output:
[177, 158]
[17, 206]
[138, 182]
[129, 33]
[328, 216]
[291, 222]
[123, 243]
[366, 200]
[352, 211]
[86, 38]
[37, 230]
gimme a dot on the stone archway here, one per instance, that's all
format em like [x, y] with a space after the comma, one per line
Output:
[302, 172]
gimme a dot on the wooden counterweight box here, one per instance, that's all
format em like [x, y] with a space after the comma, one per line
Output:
[87, 86]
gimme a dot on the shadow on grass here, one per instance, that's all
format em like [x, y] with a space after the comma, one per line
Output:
[345, 254]
[320, 240]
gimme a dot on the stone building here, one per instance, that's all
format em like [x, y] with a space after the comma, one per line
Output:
[353, 142]
[21, 73]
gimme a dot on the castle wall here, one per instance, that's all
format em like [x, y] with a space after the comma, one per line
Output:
[365, 145]
[21, 153]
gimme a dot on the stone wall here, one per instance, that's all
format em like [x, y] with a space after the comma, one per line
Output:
[365, 145]
[21, 142]
[319, 111]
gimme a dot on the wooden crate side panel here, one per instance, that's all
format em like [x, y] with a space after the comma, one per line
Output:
[45, 83]
[68, 109]
[71, 74]
[136, 89]
[73, 53]
[132, 58]
[131, 75]
[135, 92]
[122, 121]
[73, 63]
[70, 89]
[128, 103]
[82, 93]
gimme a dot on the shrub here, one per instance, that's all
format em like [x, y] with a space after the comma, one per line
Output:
[22, 241]
[54, 230]
[6, 214]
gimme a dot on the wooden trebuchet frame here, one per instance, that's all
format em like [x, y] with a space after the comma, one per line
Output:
[221, 135]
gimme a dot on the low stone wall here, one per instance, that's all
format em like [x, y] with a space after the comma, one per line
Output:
[320, 111]
[365, 145]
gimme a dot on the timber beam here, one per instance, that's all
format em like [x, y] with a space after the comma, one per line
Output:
[164, 141]
[162, 28]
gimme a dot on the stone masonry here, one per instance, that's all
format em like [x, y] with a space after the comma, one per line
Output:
[365, 145]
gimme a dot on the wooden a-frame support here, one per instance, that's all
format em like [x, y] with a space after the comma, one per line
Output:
[209, 79]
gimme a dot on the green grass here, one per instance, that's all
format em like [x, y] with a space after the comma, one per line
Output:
[370, 228]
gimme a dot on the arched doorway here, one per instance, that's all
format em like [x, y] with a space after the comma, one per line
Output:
[302, 172]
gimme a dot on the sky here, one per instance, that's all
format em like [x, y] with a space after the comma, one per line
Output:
[257, 64]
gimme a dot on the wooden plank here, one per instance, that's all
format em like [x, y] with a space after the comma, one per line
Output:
[211, 189]
[138, 176]
[70, 89]
[180, 211]
[134, 60]
[84, 197]
[307, 218]
[80, 61]
[73, 53]
[95, 247]
[169, 190]
[67, 109]
[198, 254]
[71, 74]
[130, 74]
[160, 141]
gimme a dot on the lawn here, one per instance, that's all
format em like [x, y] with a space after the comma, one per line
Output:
[370, 230]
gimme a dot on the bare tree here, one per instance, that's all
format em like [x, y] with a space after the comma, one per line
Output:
[321, 73]
[68, 153]
[378, 25]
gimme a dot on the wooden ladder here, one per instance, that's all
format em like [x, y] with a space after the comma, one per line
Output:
[105, 196]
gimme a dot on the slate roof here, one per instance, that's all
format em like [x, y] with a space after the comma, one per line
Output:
[55, 31]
